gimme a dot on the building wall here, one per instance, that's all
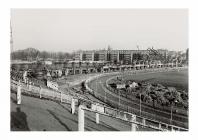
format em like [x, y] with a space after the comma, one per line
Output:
[96, 56]
[78, 56]
[102, 55]
[88, 56]
[113, 56]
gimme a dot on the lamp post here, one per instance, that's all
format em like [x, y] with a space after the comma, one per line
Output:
[171, 114]
[140, 103]
[105, 97]
[96, 85]
[119, 99]
[172, 111]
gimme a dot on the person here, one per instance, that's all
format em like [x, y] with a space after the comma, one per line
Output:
[19, 121]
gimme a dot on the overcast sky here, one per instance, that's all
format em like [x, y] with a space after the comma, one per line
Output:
[68, 30]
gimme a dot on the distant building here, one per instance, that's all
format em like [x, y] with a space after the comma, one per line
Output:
[113, 56]
[88, 56]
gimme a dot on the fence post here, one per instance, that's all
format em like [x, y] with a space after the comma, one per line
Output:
[97, 118]
[160, 126]
[61, 96]
[80, 118]
[30, 86]
[19, 93]
[133, 125]
[25, 80]
[124, 117]
[72, 106]
[27, 83]
[172, 129]
[40, 92]
[144, 122]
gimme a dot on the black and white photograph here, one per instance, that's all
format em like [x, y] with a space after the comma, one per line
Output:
[99, 69]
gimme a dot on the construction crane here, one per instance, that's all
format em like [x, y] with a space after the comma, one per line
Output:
[152, 51]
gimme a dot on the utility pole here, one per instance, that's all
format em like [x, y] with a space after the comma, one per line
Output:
[172, 111]
[171, 114]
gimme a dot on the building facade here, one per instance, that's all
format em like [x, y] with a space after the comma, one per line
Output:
[125, 57]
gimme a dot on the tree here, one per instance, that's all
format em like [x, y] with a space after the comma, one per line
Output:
[184, 95]
[44, 55]
[153, 97]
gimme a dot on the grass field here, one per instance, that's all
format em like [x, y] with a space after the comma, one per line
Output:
[176, 79]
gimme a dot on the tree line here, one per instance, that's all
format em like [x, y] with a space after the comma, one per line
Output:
[31, 54]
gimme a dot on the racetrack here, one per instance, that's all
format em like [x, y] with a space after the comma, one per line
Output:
[175, 79]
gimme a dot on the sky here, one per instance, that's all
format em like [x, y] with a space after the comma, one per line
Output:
[68, 30]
